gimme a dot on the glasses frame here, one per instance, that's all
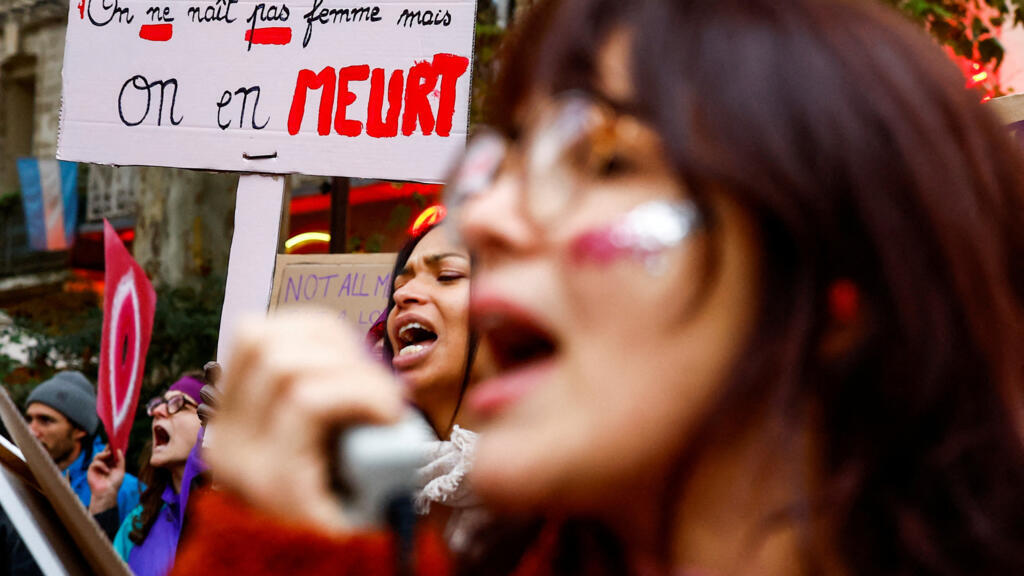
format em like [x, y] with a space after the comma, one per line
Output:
[174, 404]
[574, 115]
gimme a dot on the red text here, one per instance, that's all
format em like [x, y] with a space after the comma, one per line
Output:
[408, 106]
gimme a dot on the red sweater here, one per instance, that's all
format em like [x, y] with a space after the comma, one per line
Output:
[227, 537]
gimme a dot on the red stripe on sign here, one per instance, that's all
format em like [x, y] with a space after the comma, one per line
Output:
[281, 35]
[156, 32]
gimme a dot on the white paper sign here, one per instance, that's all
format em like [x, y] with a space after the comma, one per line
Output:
[376, 89]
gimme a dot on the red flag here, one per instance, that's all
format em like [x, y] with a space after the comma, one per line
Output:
[129, 303]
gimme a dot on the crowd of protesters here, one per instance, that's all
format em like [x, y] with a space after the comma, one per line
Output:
[728, 287]
[427, 342]
[144, 528]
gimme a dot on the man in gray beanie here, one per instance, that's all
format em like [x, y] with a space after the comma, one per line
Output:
[61, 414]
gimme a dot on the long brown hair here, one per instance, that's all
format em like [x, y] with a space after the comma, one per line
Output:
[850, 139]
[156, 480]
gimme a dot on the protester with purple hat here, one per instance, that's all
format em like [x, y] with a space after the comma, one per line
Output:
[148, 538]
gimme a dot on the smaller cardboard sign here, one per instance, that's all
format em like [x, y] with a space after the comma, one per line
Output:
[129, 303]
[55, 526]
[355, 286]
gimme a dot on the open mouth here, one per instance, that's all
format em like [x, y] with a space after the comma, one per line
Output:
[515, 341]
[160, 436]
[414, 337]
[522, 349]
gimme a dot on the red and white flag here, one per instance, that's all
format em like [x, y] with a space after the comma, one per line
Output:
[129, 304]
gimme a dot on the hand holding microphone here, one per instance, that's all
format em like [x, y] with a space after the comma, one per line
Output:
[294, 381]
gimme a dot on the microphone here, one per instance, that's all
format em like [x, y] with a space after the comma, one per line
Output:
[378, 464]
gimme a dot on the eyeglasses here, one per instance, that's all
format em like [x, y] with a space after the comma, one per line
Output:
[174, 404]
[574, 143]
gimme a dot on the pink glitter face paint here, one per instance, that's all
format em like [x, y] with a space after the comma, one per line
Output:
[642, 235]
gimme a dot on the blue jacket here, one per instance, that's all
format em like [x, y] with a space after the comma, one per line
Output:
[127, 497]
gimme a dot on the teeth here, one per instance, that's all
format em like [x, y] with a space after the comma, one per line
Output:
[405, 329]
[411, 349]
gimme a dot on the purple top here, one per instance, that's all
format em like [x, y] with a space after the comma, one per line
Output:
[155, 556]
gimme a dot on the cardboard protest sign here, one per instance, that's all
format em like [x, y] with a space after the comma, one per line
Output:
[1010, 109]
[129, 303]
[355, 286]
[328, 87]
[37, 525]
[14, 461]
[54, 525]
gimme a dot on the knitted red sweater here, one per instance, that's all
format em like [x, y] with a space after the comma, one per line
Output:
[227, 537]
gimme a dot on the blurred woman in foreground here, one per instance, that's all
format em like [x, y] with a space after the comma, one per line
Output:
[751, 272]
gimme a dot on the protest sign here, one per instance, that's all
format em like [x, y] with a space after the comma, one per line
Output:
[355, 286]
[12, 459]
[27, 511]
[129, 303]
[54, 525]
[38, 527]
[327, 87]
[1010, 109]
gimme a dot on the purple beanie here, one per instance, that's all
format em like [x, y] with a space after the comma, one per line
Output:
[190, 386]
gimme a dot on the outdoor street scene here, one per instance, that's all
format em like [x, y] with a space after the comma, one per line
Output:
[512, 287]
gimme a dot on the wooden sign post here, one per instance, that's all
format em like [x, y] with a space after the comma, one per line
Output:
[258, 209]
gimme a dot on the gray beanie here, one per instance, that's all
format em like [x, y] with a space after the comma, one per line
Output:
[71, 394]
